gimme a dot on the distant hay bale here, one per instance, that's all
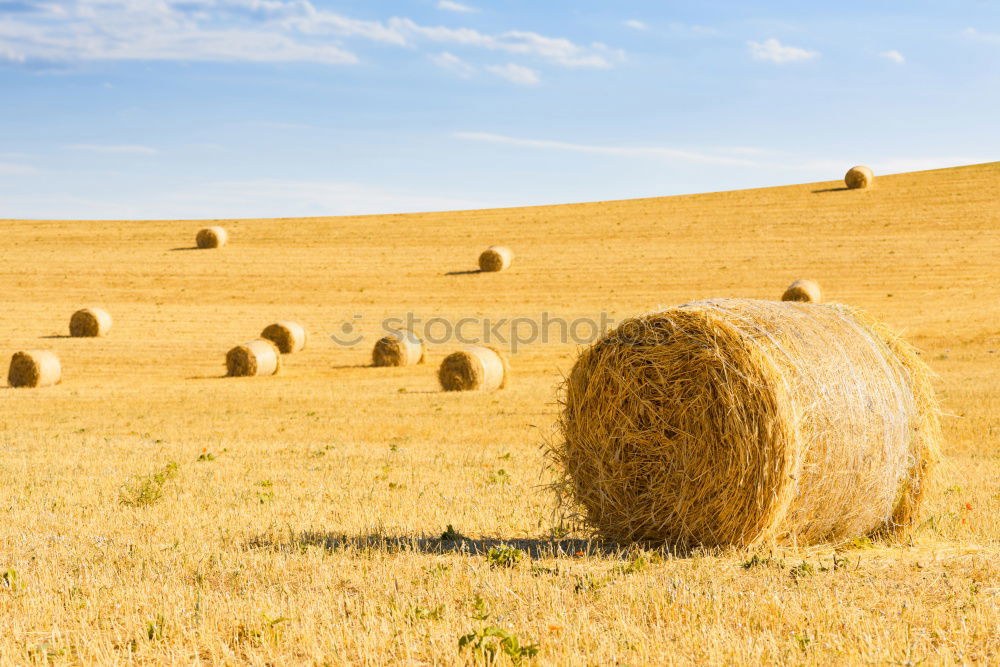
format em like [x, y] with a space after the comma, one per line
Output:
[288, 336]
[399, 348]
[859, 177]
[496, 258]
[36, 368]
[89, 323]
[738, 422]
[212, 237]
[475, 367]
[258, 357]
[803, 290]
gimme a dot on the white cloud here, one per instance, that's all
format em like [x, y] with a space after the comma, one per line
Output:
[894, 56]
[636, 24]
[115, 149]
[188, 30]
[450, 6]
[555, 49]
[522, 76]
[772, 50]
[247, 31]
[453, 63]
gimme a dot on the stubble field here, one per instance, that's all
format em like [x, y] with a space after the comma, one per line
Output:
[153, 511]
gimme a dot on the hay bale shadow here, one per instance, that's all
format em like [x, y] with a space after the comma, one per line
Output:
[464, 273]
[535, 548]
[194, 247]
[840, 189]
[64, 336]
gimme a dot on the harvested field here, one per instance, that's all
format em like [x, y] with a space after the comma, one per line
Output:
[302, 520]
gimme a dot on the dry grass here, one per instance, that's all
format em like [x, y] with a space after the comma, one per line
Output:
[303, 522]
[739, 422]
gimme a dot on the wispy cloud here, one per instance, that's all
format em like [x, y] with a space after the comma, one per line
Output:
[657, 152]
[557, 50]
[980, 36]
[893, 56]
[449, 6]
[805, 167]
[9, 54]
[522, 76]
[453, 63]
[249, 31]
[635, 24]
[772, 50]
[13, 169]
[114, 149]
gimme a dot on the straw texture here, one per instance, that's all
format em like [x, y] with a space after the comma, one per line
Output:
[37, 368]
[89, 323]
[212, 237]
[859, 177]
[399, 348]
[475, 367]
[739, 422]
[258, 357]
[803, 290]
[496, 258]
[290, 337]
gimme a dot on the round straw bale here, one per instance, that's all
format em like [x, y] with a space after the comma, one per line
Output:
[258, 357]
[740, 422]
[475, 367]
[288, 336]
[212, 237]
[37, 368]
[89, 323]
[859, 177]
[399, 348]
[495, 258]
[803, 290]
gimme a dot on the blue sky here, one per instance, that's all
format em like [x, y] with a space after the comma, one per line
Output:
[226, 108]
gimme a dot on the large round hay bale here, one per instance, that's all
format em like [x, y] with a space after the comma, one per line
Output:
[475, 367]
[212, 237]
[859, 177]
[803, 290]
[89, 323]
[399, 348]
[37, 368]
[288, 336]
[740, 422]
[496, 258]
[258, 357]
